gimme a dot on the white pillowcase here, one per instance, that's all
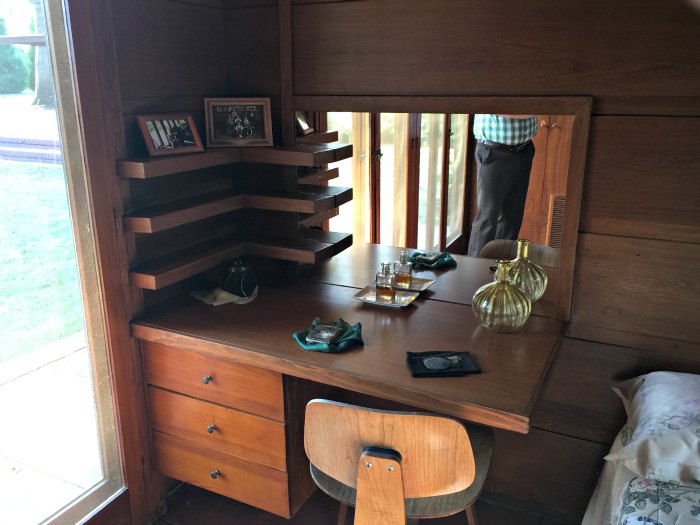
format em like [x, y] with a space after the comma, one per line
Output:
[661, 440]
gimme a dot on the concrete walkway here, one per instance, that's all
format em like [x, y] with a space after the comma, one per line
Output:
[49, 451]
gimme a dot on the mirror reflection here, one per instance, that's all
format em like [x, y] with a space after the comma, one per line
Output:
[423, 170]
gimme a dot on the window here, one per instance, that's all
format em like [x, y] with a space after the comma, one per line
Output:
[408, 176]
[69, 464]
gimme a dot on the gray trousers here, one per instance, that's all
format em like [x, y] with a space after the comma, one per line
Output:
[503, 177]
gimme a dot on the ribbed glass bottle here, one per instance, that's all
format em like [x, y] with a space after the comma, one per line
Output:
[501, 306]
[527, 275]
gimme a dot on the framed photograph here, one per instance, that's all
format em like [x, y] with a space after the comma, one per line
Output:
[302, 124]
[170, 134]
[238, 122]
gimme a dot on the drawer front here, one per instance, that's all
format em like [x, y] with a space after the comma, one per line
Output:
[213, 379]
[254, 484]
[243, 435]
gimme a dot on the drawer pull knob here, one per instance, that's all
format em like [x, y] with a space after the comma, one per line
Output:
[214, 474]
[211, 428]
[207, 379]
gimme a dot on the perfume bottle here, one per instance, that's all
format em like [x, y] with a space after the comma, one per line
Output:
[403, 269]
[385, 284]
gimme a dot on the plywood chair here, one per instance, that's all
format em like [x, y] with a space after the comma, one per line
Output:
[508, 249]
[395, 465]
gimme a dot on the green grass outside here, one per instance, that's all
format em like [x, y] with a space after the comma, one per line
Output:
[40, 299]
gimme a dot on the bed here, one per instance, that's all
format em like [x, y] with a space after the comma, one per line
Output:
[652, 472]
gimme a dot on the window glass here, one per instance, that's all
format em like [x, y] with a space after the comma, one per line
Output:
[431, 141]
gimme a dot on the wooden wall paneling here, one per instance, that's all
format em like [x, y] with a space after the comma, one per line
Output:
[252, 48]
[545, 473]
[593, 368]
[642, 178]
[286, 70]
[641, 286]
[169, 53]
[632, 60]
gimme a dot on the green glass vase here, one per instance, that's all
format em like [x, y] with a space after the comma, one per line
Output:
[527, 275]
[501, 306]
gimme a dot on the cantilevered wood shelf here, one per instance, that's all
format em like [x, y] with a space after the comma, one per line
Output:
[319, 137]
[312, 201]
[309, 200]
[312, 247]
[304, 155]
[318, 175]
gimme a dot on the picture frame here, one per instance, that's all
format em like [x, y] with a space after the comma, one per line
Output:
[303, 127]
[170, 134]
[236, 122]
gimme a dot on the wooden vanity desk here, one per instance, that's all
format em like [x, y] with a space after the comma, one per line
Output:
[238, 365]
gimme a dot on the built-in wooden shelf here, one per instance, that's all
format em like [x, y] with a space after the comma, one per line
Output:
[316, 220]
[313, 201]
[166, 216]
[312, 247]
[159, 166]
[318, 175]
[304, 155]
[309, 200]
[322, 137]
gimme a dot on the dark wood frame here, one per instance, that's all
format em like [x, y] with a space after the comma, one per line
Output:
[154, 151]
[303, 126]
[264, 103]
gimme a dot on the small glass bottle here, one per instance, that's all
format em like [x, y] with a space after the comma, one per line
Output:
[385, 284]
[501, 306]
[403, 270]
[527, 275]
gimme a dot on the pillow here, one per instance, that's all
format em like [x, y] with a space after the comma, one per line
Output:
[661, 440]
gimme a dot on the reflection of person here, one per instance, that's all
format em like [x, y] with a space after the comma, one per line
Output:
[504, 153]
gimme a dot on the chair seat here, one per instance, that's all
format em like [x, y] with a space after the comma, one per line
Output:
[482, 440]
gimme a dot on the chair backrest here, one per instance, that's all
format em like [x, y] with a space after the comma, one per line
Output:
[508, 249]
[435, 451]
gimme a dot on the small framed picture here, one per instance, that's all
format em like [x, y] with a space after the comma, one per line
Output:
[170, 134]
[238, 122]
[302, 124]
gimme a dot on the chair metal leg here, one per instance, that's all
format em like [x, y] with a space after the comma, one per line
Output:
[471, 515]
[342, 513]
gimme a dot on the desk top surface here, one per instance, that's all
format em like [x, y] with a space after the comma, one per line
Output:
[513, 365]
[357, 266]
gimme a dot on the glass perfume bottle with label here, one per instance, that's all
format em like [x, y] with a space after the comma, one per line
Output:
[385, 284]
[403, 269]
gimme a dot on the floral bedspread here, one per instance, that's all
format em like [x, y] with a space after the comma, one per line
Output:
[645, 501]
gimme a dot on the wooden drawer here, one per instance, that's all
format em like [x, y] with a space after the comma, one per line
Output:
[245, 481]
[243, 435]
[244, 387]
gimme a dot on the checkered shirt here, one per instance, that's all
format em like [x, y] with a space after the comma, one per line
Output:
[505, 130]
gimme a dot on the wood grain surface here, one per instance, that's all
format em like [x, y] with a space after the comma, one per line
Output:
[260, 334]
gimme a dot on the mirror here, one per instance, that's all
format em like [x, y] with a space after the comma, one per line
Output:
[575, 115]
